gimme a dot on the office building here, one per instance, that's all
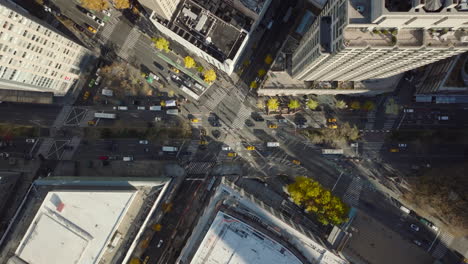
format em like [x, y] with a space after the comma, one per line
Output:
[216, 31]
[354, 40]
[35, 56]
[81, 220]
[163, 8]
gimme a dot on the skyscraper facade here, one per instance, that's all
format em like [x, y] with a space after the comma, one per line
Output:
[354, 40]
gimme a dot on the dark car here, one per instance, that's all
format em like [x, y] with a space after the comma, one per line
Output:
[78, 27]
[159, 66]
[249, 123]
[216, 133]
[185, 153]
[257, 117]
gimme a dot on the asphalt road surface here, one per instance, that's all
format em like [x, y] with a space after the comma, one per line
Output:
[30, 114]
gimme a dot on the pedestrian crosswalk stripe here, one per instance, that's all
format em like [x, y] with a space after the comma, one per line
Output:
[444, 240]
[353, 192]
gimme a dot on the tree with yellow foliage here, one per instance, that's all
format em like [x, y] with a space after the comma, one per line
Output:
[121, 4]
[135, 261]
[268, 59]
[210, 76]
[253, 85]
[261, 72]
[95, 5]
[311, 195]
[272, 104]
[189, 62]
[355, 105]
[294, 105]
[161, 44]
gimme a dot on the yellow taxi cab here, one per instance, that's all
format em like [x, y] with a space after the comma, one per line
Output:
[91, 123]
[86, 95]
[92, 30]
[394, 150]
[232, 154]
[203, 142]
[194, 120]
[272, 126]
[250, 148]
[296, 162]
[333, 126]
[174, 69]
[331, 120]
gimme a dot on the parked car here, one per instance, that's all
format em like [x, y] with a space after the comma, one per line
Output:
[99, 21]
[160, 243]
[92, 30]
[106, 12]
[30, 140]
[414, 227]
[91, 15]
[402, 145]
[159, 66]
[226, 148]
[408, 110]
[417, 242]
[144, 142]
[78, 27]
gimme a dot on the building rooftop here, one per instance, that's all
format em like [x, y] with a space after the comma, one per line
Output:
[76, 226]
[230, 240]
[359, 11]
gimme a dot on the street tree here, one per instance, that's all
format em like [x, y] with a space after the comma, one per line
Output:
[312, 104]
[316, 199]
[95, 5]
[273, 104]
[200, 68]
[268, 59]
[355, 105]
[294, 104]
[261, 72]
[253, 85]
[161, 44]
[189, 62]
[210, 76]
[121, 4]
[368, 106]
[340, 104]
[157, 227]
[135, 261]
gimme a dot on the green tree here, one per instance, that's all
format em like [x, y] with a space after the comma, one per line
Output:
[340, 104]
[294, 104]
[368, 106]
[95, 5]
[210, 76]
[200, 68]
[312, 104]
[189, 62]
[355, 105]
[161, 44]
[273, 104]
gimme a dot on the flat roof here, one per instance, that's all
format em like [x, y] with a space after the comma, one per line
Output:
[230, 240]
[76, 226]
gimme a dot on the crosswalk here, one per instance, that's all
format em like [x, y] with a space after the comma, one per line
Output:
[199, 168]
[129, 43]
[215, 98]
[242, 115]
[353, 192]
[62, 116]
[109, 28]
[444, 241]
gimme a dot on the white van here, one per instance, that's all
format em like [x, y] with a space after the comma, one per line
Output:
[272, 144]
[443, 118]
[123, 108]
[172, 111]
[171, 103]
[141, 108]
[404, 209]
[128, 158]
[155, 108]
[169, 149]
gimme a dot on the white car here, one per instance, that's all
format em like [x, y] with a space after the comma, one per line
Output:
[417, 242]
[91, 15]
[408, 110]
[106, 12]
[226, 148]
[402, 145]
[47, 9]
[99, 21]
[144, 142]
[30, 140]
[160, 243]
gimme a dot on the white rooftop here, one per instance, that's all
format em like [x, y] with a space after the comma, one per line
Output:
[232, 241]
[74, 226]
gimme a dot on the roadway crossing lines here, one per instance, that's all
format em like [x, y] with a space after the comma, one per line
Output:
[198, 168]
[242, 115]
[215, 98]
[64, 113]
[353, 192]
[109, 28]
[129, 43]
[441, 248]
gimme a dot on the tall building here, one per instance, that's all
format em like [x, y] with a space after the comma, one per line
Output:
[35, 56]
[162, 8]
[353, 40]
